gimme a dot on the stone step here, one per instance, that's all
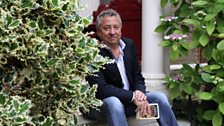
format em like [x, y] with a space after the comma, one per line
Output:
[132, 121]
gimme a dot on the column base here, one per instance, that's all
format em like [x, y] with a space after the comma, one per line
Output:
[155, 82]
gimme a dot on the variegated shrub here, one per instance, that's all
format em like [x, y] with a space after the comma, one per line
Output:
[44, 58]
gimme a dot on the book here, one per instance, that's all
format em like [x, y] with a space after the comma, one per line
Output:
[154, 112]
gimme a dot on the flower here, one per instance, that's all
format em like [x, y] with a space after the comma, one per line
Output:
[169, 18]
[177, 77]
[175, 36]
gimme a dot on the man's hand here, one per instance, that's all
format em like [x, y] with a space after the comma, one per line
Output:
[139, 96]
[140, 100]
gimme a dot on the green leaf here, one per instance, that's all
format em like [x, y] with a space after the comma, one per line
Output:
[86, 22]
[206, 69]
[204, 95]
[195, 37]
[24, 107]
[217, 96]
[182, 50]
[26, 3]
[188, 68]
[208, 115]
[217, 55]
[163, 3]
[2, 99]
[215, 67]
[220, 1]
[84, 88]
[199, 3]
[14, 24]
[74, 81]
[41, 23]
[221, 107]
[193, 44]
[207, 52]
[174, 47]
[48, 122]
[204, 39]
[33, 24]
[218, 7]
[40, 33]
[220, 45]
[49, 32]
[16, 105]
[209, 17]
[217, 119]
[206, 77]
[13, 46]
[174, 54]
[21, 120]
[55, 2]
[174, 93]
[165, 43]
[187, 88]
[52, 62]
[220, 86]
[221, 35]
[192, 22]
[161, 28]
[8, 19]
[210, 27]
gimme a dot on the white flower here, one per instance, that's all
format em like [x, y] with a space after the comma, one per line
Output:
[166, 37]
[169, 18]
[175, 36]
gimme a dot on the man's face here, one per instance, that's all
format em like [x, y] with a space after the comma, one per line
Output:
[110, 30]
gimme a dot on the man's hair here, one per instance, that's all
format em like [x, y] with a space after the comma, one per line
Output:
[108, 12]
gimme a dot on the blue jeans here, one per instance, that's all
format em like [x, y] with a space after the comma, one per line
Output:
[115, 113]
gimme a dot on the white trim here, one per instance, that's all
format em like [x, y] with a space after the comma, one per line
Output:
[179, 66]
[153, 76]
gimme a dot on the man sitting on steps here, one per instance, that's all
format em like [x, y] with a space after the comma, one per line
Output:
[121, 86]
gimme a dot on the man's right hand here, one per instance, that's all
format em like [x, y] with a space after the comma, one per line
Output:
[140, 100]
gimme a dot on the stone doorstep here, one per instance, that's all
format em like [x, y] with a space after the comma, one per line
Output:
[132, 121]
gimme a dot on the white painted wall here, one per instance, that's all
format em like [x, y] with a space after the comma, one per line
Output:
[90, 6]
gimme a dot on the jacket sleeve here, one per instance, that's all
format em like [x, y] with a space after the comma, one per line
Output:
[105, 90]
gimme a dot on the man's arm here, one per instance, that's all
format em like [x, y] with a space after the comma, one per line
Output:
[105, 90]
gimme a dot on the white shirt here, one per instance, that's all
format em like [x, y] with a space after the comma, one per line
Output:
[121, 67]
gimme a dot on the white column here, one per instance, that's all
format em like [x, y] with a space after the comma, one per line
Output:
[89, 7]
[152, 53]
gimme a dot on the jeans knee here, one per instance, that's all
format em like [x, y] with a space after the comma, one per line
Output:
[162, 96]
[157, 97]
[114, 104]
